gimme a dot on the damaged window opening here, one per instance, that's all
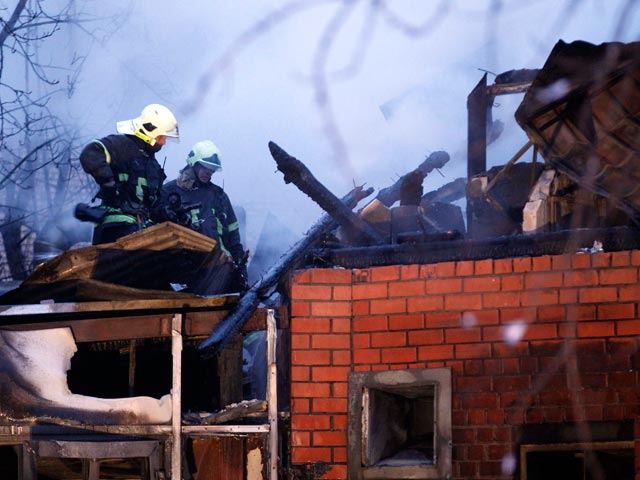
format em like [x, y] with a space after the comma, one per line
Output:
[400, 424]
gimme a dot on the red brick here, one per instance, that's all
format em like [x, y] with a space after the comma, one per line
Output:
[620, 259]
[310, 357]
[539, 332]
[389, 339]
[385, 274]
[581, 312]
[341, 325]
[300, 405]
[480, 400]
[409, 272]
[484, 267]
[300, 309]
[541, 264]
[399, 355]
[329, 438]
[366, 355]
[601, 260]
[406, 289]
[329, 405]
[472, 384]
[442, 320]
[301, 276]
[501, 300]
[630, 327]
[310, 292]
[445, 269]
[616, 311]
[310, 455]
[406, 322]
[340, 389]
[426, 337]
[300, 439]
[462, 335]
[463, 302]
[539, 297]
[310, 422]
[300, 374]
[598, 295]
[310, 325]
[493, 334]
[341, 357]
[513, 383]
[361, 340]
[480, 318]
[299, 341]
[339, 422]
[424, 304]
[472, 350]
[464, 268]
[449, 285]
[581, 278]
[561, 262]
[522, 264]
[331, 275]
[635, 257]
[436, 352]
[360, 307]
[369, 290]
[618, 276]
[580, 260]
[310, 390]
[333, 341]
[568, 296]
[512, 282]
[481, 284]
[330, 374]
[503, 265]
[629, 293]
[331, 309]
[388, 306]
[543, 280]
[341, 293]
[596, 329]
[370, 324]
[509, 314]
[552, 314]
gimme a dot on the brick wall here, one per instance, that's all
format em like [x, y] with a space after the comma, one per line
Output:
[529, 340]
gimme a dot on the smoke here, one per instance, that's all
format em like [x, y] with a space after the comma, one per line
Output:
[242, 75]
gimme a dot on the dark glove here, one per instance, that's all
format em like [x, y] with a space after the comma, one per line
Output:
[108, 192]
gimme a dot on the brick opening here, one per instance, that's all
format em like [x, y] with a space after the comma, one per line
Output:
[400, 423]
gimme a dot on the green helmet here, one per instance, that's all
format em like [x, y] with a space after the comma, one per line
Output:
[206, 154]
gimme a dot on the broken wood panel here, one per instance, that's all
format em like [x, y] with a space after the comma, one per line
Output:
[220, 458]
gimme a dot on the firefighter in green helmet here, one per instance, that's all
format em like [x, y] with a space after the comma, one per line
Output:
[207, 205]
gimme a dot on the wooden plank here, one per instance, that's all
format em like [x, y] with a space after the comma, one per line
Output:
[272, 394]
[230, 372]
[176, 395]
[219, 458]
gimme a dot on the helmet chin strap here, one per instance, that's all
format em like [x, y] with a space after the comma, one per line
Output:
[144, 137]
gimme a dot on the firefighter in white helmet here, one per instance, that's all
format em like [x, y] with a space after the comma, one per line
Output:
[207, 205]
[129, 176]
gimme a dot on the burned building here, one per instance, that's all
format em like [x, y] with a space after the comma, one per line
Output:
[416, 340]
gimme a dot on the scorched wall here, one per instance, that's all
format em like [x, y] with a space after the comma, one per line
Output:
[542, 340]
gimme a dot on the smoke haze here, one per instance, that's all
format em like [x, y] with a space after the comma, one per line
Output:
[357, 96]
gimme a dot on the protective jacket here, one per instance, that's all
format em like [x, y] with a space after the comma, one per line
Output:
[130, 162]
[211, 212]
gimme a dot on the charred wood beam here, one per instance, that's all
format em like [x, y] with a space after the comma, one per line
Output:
[232, 324]
[297, 173]
[388, 196]
[448, 193]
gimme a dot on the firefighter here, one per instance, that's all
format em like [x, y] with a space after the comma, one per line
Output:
[129, 176]
[207, 204]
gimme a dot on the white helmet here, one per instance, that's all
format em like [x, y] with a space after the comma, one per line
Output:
[155, 120]
[205, 153]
